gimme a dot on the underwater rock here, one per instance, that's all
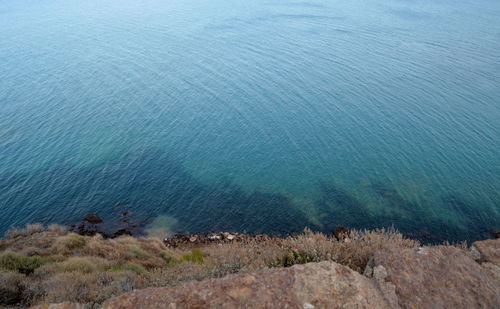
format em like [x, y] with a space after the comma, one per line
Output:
[93, 218]
[93, 224]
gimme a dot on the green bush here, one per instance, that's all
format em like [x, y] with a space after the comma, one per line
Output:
[169, 259]
[21, 263]
[135, 268]
[71, 241]
[196, 256]
[292, 257]
[138, 252]
[76, 264]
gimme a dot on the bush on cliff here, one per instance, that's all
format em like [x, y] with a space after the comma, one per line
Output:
[20, 263]
[51, 265]
[195, 256]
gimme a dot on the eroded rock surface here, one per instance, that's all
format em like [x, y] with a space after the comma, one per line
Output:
[437, 277]
[489, 250]
[314, 285]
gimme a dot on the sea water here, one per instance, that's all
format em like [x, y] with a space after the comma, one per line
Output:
[252, 116]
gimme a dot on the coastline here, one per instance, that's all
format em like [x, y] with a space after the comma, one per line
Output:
[41, 265]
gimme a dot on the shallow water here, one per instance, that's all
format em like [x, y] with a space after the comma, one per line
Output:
[253, 116]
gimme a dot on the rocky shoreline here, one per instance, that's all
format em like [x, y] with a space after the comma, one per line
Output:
[108, 265]
[124, 224]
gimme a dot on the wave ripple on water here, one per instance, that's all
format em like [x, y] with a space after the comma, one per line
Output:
[261, 116]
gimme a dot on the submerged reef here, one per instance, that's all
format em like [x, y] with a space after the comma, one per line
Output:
[152, 183]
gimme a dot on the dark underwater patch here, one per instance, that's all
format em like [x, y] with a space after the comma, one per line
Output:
[149, 183]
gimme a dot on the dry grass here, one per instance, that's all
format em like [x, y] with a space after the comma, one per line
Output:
[354, 251]
[30, 229]
[40, 265]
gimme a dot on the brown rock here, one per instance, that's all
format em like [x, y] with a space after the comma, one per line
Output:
[437, 277]
[489, 250]
[93, 218]
[341, 232]
[493, 270]
[313, 285]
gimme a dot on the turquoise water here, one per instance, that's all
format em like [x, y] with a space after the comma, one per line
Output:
[253, 116]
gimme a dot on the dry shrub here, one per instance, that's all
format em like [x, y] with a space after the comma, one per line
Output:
[129, 267]
[148, 253]
[354, 251]
[138, 252]
[57, 229]
[459, 245]
[317, 246]
[152, 245]
[358, 249]
[30, 229]
[97, 246]
[179, 273]
[81, 264]
[11, 288]
[241, 257]
[35, 244]
[34, 228]
[68, 243]
[86, 288]
[65, 266]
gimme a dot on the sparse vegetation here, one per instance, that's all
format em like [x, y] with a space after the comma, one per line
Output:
[354, 251]
[69, 242]
[196, 256]
[39, 265]
[30, 229]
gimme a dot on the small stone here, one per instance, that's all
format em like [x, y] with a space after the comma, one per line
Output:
[193, 238]
[474, 254]
[368, 271]
[379, 273]
[64, 305]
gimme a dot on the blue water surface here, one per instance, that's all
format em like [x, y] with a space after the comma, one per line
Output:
[253, 116]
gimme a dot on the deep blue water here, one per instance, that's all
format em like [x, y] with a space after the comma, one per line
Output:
[252, 116]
